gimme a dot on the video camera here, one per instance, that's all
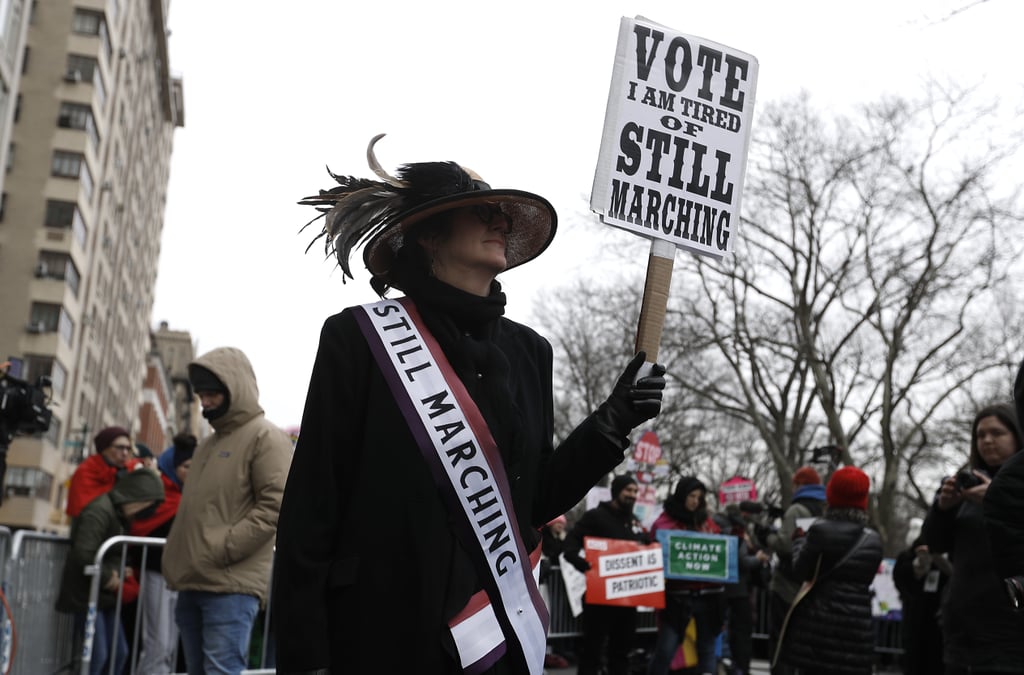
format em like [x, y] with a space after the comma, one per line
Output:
[763, 515]
[830, 454]
[23, 410]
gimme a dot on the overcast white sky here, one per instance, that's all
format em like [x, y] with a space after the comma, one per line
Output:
[276, 91]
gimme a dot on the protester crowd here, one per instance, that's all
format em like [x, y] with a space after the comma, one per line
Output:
[411, 520]
[956, 578]
[960, 611]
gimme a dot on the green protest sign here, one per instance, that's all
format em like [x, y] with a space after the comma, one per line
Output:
[699, 556]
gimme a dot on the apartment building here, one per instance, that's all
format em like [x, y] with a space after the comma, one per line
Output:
[84, 196]
[13, 28]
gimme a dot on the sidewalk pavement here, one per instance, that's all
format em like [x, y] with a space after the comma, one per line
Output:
[757, 667]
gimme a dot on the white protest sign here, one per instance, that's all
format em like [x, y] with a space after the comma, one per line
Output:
[673, 152]
[677, 128]
[575, 583]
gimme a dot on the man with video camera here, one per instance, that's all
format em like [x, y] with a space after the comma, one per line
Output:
[23, 409]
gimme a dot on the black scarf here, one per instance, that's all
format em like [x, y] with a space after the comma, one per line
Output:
[467, 328]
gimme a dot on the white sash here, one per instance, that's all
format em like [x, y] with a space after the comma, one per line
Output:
[467, 466]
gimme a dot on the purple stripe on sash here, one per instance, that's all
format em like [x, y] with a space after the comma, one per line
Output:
[487, 661]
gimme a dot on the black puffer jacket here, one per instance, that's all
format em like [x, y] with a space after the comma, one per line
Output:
[979, 628]
[1004, 517]
[831, 627]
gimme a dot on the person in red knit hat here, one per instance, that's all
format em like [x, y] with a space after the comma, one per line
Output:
[829, 627]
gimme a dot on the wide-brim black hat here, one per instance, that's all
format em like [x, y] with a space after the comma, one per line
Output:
[378, 214]
[531, 218]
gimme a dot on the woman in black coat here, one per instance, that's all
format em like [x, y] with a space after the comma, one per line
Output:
[982, 633]
[389, 526]
[829, 630]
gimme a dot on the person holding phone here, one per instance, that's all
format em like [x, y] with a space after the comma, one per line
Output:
[981, 632]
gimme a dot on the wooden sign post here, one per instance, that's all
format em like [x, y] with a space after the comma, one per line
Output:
[673, 152]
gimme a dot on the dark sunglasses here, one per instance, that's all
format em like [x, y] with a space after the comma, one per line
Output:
[486, 213]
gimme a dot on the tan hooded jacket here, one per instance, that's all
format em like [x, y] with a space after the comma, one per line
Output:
[222, 540]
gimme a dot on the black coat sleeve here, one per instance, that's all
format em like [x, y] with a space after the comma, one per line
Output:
[565, 474]
[939, 529]
[1004, 517]
[574, 538]
[314, 504]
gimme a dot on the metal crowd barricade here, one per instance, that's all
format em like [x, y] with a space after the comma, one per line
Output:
[94, 594]
[563, 624]
[134, 652]
[31, 582]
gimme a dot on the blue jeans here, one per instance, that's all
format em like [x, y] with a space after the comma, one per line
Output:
[707, 612]
[215, 630]
[108, 632]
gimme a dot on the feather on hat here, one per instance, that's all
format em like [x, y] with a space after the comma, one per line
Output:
[376, 214]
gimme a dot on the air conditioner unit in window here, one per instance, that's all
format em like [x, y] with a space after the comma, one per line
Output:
[73, 75]
[36, 327]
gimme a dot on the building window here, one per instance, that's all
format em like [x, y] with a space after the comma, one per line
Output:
[88, 22]
[10, 157]
[28, 482]
[79, 116]
[80, 68]
[67, 164]
[3, 206]
[66, 215]
[66, 327]
[54, 265]
[46, 317]
[101, 90]
[59, 214]
[86, 178]
[72, 165]
[53, 433]
[40, 366]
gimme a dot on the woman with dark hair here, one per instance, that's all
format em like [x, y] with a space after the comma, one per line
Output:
[829, 630]
[410, 523]
[982, 634]
[687, 509]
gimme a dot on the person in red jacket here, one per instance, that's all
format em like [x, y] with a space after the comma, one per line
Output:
[96, 475]
[686, 509]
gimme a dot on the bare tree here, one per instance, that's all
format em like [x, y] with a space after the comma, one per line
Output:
[860, 306]
[592, 327]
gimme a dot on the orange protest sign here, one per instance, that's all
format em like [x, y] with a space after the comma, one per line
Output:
[624, 573]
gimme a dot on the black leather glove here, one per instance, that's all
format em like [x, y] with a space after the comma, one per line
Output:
[579, 563]
[631, 404]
